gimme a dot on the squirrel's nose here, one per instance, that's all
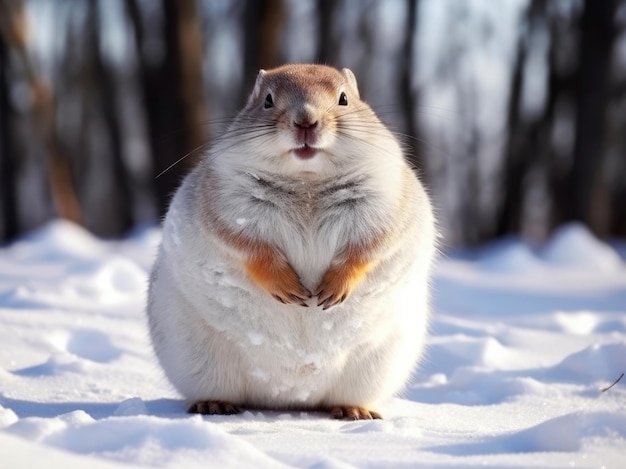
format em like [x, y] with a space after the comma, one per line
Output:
[305, 123]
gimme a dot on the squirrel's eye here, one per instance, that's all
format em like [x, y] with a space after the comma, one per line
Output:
[343, 99]
[269, 102]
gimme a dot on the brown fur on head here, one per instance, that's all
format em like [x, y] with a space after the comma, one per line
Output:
[299, 80]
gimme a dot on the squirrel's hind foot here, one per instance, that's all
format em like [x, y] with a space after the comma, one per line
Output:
[213, 408]
[354, 413]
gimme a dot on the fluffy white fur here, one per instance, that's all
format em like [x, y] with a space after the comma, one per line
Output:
[218, 335]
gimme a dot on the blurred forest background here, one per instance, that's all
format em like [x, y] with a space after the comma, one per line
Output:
[514, 111]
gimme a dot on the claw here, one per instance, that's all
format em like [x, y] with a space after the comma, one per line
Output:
[330, 301]
[354, 413]
[299, 300]
[213, 408]
[322, 298]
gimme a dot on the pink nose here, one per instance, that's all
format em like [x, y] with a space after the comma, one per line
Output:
[305, 124]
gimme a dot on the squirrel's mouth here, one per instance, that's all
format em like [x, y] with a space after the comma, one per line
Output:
[305, 152]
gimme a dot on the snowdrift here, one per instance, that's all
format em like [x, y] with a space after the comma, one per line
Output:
[523, 342]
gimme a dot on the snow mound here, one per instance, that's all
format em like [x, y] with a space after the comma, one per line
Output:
[577, 322]
[574, 245]
[594, 363]
[509, 256]
[132, 406]
[7, 417]
[484, 351]
[144, 440]
[58, 240]
[57, 364]
[87, 285]
[568, 433]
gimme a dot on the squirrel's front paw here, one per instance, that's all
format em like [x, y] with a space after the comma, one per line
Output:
[339, 281]
[331, 292]
[277, 277]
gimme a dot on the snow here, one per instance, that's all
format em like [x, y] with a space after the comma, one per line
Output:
[575, 246]
[524, 339]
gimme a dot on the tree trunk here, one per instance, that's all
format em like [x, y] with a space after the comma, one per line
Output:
[408, 93]
[58, 166]
[597, 40]
[173, 95]
[187, 47]
[120, 199]
[327, 46]
[509, 214]
[263, 23]
[8, 192]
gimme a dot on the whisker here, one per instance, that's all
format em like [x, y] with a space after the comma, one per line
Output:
[199, 147]
[402, 137]
[235, 143]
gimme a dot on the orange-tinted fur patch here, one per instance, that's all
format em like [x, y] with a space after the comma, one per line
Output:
[342, 277]
[267, 267]
[270, 271]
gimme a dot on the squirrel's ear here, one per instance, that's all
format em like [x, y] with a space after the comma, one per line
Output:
[351, 79]
[257, 86]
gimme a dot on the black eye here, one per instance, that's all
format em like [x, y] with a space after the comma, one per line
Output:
[269, 102]
[343, 99]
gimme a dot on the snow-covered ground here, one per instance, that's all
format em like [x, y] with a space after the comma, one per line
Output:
[523, 342]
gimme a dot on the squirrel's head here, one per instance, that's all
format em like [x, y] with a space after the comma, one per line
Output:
[304, 120]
